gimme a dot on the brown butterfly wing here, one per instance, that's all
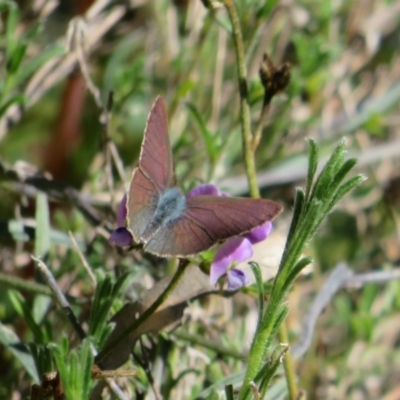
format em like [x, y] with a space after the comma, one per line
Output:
[154, 173]
[224, 217]
[208, 219]
[156, 155]
[181, 237]
[141, 204]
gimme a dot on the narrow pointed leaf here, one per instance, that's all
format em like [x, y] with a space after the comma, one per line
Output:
[299, 204]
[312, 165]
[209, 139]
[18, 349]
[322, 187]
[260, 289]
[345, 188]
[42, 238]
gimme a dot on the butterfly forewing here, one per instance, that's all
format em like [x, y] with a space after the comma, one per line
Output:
[154, 173]
[156, 156]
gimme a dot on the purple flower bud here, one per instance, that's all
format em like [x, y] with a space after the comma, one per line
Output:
[204, 189]
[236, 249]
[121, 237]
[121, 212]
[260, 233]
[236, 278]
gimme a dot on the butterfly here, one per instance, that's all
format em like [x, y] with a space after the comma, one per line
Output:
[168, 224]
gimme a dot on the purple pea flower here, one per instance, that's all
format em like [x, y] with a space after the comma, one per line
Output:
[121, 236]
[235, 250]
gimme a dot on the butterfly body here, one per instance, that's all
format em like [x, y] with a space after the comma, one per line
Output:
[170, 206]
[166, 222]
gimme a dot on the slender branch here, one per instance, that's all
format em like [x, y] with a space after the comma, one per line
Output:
[260, 125]
[288, 364]
[60, 297]
[247, 138]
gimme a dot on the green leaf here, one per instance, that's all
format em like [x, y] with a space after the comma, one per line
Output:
[269, 370]
[41, 305]
[106, 293]
[42, 237]
[33, 65]
[23, 311]
[74, 368]
[16, 58]
[209, 139]
[229, 392]
[17, 230]
[11, 341]
[312, 165]
[43, 358]
[299, 204]
[323, 188]
[295, 272]
[344, 170]
[345, 188]
[11, 28]
[260, 289]
[17, 99]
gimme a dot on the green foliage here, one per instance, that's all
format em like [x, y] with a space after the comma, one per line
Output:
[17, 69]
[344, 81]
[106, 293]
[311, 207]
[75, 368]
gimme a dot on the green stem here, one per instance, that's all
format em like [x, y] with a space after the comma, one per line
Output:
[247, 137]
[288, 364]
[259, 347]
[136, 323]
[22, 284]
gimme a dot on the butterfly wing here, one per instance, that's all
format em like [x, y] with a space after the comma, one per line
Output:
[156, 155]
[208, 219]
[141, 204]
[154, 173]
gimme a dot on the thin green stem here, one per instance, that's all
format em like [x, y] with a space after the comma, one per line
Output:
[22, 284]
[136, 323]
[245, 120]
[288, 364]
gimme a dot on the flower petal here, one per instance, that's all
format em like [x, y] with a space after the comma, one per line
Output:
[121, 213]
[236, 249]
[204, 189]
[260, 233]
[121, 237]
[236, 278]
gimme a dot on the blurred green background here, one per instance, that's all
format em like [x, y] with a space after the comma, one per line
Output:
[345, 81]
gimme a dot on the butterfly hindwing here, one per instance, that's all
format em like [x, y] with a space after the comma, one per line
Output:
[208, 219]
[224, 217]
[141, 204]
[180, 238]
